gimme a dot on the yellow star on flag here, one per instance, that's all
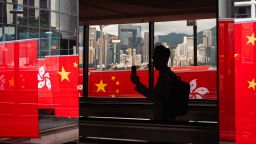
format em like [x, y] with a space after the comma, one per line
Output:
[251, 39]
[252, 84]
[64, 74]
[101, 86]
[113, 78]
[75, 64]
[117, 82]
[11, 82]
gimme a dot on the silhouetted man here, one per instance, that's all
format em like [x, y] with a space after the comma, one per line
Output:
[162, 93]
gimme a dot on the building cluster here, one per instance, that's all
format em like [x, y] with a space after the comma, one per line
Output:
[130, 47]
[184, 52]
[122, 51]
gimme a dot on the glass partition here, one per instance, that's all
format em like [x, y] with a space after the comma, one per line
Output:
[113, 49]
[178, 37]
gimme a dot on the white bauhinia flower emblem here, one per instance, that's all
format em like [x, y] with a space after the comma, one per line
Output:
[197, 93]
[43, 78]
[2, 82]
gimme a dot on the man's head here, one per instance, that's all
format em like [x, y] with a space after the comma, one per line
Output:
[161, 57]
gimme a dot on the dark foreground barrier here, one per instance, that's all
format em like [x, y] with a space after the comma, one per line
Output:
[131, 122]
[149, 131]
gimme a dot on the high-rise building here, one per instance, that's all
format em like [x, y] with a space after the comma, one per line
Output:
[146, 47]
[92, 45]
[207, 38]
[130, 36]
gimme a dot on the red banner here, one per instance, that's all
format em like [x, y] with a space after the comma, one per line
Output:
[18, 89]
[226, 80]
[118, 84]
[245, 82]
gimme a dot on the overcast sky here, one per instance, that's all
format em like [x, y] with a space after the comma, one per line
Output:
[163, 28]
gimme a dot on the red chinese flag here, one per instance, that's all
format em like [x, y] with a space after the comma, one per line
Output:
[18, 93]
[64, 81]
[245, 82]
[115, 84]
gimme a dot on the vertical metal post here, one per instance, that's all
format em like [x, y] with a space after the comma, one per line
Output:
[151, 50]
[85, 60]
[195, 44]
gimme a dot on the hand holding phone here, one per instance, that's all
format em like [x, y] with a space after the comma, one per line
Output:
[134, 70]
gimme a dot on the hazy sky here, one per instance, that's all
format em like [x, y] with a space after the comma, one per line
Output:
[163, 28]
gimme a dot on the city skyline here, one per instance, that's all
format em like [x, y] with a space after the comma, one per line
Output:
[163, 28]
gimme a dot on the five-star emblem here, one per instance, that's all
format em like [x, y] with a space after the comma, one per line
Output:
[251, 39]
[64, 74]
[113, 78]
[101, 86]
[75, 64]
[11, 82]
[252, 84]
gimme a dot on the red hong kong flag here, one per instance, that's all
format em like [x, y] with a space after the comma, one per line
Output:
[245, 82]
[64, 81]
[45, 97]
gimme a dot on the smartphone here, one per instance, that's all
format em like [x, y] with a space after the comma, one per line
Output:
[134, 70]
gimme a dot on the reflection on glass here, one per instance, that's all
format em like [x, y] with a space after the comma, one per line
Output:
[55, 5]
[33, 33]
[33, 17]
[44, 19]
[68, 6]
[44, 4]
[68, 22]
[34, 3]
[55, 23]
[8, 16]
[22, 32]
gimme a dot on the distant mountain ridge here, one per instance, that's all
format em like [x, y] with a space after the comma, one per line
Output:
[177, 38]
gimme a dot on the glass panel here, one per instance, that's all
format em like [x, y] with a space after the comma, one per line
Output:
[178, 37]
[22, 17]
[33, 32]
[1, 33]
[22, 2]
[34, 17]
[22, 32]
[242, 12]
[1, 13]
[68, 22]
[55, 5]
[34, 3]
[8, 15]
[55, 25]
[113, 49]
[9, 33]
[44, 19]
[44, 4]
[25, 2]
[68, 6]
[206, 43]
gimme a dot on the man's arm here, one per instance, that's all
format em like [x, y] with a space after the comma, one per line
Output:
[141, 88]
